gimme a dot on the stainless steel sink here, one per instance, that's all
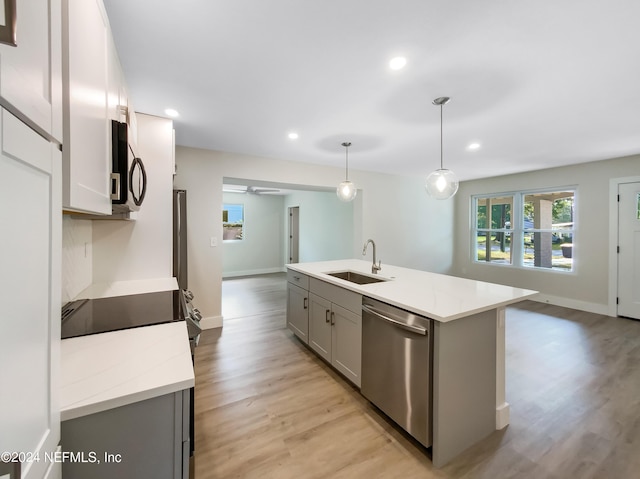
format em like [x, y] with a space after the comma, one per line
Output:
[357, 278]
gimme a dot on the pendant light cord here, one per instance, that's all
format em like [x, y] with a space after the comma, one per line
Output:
[347, 164]
[347, 144]
[441, 164]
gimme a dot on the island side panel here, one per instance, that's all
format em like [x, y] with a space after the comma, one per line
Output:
[502, 406]
[464, 383]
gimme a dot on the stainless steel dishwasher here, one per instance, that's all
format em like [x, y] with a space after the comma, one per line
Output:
[396, 366]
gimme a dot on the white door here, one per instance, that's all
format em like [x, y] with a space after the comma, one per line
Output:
[629, 250]
[30, 255]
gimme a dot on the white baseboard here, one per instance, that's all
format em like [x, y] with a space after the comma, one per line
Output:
[252, 272]
[572, 303]
[211, 322]
[503, 414]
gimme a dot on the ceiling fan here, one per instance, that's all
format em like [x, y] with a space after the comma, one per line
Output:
[259, 191]
[252, 190]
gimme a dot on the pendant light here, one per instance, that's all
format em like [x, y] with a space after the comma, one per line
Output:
[346, 190]
[441, 184]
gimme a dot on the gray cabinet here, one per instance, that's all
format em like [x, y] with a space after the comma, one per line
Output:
[320, 321]
[145, 439]
[329, 319]
[346, 343]
[335, 327]
[298, 311]
[298, 304]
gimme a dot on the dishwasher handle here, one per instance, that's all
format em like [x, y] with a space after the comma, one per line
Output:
[409, 327]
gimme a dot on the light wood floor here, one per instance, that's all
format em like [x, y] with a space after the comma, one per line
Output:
[267, 407]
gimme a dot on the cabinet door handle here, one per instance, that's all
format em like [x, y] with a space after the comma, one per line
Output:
[306, 303]
[333, 318]
[326, 315]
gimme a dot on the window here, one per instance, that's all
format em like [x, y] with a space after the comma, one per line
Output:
[493, 229]
[232, 222]
[531, 229]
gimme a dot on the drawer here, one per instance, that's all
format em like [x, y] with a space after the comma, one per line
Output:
[298, 279]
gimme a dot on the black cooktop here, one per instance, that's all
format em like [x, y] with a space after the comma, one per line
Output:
[92, 316]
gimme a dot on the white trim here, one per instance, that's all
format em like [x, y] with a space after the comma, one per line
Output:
[253, 272]
[211, 322]
[572, 303]
[517, 229]
[613, 240]
[503, 414]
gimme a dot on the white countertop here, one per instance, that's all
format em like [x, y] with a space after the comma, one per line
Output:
[437, 296]
[109, 370]
[125, 288]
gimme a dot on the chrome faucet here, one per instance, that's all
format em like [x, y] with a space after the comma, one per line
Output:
[374, 267]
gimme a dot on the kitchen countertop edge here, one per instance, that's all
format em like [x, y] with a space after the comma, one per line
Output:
[95, 379]
[125, 288]
[402, 281]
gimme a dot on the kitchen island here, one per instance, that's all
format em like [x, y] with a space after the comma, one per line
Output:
[468, 356]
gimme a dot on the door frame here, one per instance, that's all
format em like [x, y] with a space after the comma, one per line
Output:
[613, 239]
[293, 236]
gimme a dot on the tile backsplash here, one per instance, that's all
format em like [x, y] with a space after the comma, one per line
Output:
[77, 256]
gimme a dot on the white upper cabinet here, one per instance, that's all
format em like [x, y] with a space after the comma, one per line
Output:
[119, 103]
[87, 130]
[28, 78]
[94, 94]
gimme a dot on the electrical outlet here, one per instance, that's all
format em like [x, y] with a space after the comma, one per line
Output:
[214, 242]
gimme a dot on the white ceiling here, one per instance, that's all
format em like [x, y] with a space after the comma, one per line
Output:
[538, 83]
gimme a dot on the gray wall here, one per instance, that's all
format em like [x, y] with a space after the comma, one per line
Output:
[587, 287]
[410, 229]
[326, 226]
[261, 249]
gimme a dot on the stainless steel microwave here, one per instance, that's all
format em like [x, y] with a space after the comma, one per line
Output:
[128, 176]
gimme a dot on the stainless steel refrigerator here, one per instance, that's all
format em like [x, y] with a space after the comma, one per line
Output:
[180, 271]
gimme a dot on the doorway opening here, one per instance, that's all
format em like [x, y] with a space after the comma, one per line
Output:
[294, 234]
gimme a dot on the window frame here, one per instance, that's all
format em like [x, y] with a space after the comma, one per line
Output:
[506, 231]
[234, 240]
[517, 229]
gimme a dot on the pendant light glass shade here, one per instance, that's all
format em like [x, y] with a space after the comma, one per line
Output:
[346, 190]
[441, 184]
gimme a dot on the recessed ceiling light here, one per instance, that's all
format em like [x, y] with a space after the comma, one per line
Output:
[473, 146]
[397, 63]
[171, 113]
[293, 135]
